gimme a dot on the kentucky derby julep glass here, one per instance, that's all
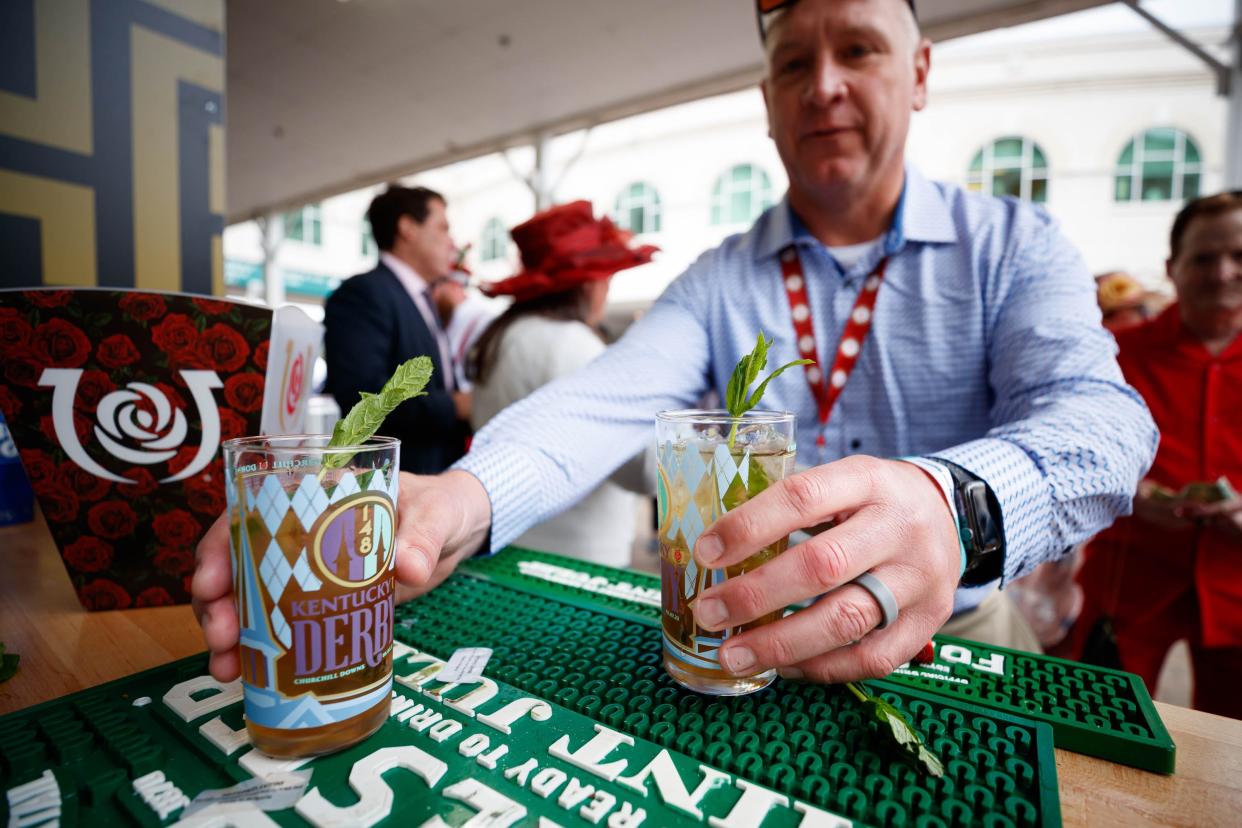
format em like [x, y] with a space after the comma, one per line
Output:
[708, 463]
[312, 531]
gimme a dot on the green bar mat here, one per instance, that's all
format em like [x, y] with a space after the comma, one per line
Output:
[1092, 710]
[575, 723]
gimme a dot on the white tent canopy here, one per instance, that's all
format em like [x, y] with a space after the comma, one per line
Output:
[326, 96]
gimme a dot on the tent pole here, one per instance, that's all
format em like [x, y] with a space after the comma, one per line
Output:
[1233, 122]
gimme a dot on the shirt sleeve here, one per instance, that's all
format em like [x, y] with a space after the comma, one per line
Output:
[545, 452]
[1069, 439]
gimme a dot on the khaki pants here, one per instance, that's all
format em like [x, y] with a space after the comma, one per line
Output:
[995, 621]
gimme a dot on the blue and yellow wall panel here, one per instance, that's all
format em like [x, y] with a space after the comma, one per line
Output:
[112, 143]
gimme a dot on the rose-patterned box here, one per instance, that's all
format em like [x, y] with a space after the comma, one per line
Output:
[118, 401]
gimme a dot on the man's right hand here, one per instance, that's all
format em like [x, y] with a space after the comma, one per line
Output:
[441, 520]
[462, 401]
[1155, 505]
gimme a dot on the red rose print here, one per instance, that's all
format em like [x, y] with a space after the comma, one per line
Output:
[144, 483]
[174, 397]
[224, 348]
[153, 597]
[143, 307]
[232, 424]
[93, 387]
[63, 342]
[23, 366]
[80, 424]
[87, 554]
[40, 469]
[260, 354]
[102, 594]
[184, 457]
[174, 562]
[186, 361]
[244, 392]
[11, 406]
[117, 351]
[206, 498]
[47, 298]
[85, 485]
[59, 505]
[175, 335]
[177, 528]
[212, 307]
[112, 519]
[13, 330]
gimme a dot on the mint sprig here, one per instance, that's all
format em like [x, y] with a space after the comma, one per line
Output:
[897, 728]
[368, 414]
[747, 370]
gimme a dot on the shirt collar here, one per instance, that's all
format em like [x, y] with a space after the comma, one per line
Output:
[922, 216]
[407, 275]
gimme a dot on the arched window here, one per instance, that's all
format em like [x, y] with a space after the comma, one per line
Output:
[1011, 166]
[495, 240]
[1160, 165]
[638, 209]
[305, 225]
[740, 195]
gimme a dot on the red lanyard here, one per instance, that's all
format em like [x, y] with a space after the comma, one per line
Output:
[827, 389]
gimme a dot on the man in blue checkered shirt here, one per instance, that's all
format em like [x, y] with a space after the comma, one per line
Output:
[985, 368]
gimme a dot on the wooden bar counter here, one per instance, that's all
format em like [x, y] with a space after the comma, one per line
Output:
[64, 649]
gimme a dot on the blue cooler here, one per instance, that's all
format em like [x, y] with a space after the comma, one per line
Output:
[16, 497]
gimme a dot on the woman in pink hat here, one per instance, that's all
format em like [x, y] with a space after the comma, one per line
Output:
[568, 258]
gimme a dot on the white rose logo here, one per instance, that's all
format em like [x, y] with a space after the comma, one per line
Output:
[136, 424]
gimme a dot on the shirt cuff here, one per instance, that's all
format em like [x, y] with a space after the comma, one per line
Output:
[945, 481]
[512, 487]
[1020, 488]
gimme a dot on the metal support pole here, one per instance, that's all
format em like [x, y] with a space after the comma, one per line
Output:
[541, 176]
[273, 228]
[1233, 119]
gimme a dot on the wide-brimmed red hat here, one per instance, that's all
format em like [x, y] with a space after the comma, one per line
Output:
[566, 246]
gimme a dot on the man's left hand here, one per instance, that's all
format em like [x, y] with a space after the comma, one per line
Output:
[891, 520]
[1225, 515]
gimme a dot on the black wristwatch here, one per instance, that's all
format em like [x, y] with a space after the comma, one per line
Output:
[980, 524]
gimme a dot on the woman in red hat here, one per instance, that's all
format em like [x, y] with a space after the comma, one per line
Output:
[568, 258]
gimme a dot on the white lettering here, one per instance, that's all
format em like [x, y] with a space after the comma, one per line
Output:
[261, 766]
[522, 772]
[473, 745]
[223, 736]
[161, 795]
[227, 815]
[374, 796]
[424, 719]
[180, 700]
[574, 793]
[503, 718]
[34, 803]
[627, 817]
[954, 653]
[495, 810]
[995, 664]
[815, 818]
[750, 810]
[445, 729]
[547, 781]
[670, 786]
[598, 807]
[469, 702]
[488, 760]
[589, 756]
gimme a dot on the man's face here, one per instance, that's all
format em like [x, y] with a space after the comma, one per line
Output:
[843, 78]
[1208, 274]
[429, 245]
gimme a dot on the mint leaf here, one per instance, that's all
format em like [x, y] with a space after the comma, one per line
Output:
[368, 414]
[894, 725]
[744, 374]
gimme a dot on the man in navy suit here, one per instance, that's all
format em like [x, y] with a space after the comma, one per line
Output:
[376, 321]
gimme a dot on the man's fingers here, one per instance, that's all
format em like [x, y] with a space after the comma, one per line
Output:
[875, 656]
[220, 624]
[213, 576]
[805, 499]
[813, 567]
[847, 615]
[225, 667]
[424, 518]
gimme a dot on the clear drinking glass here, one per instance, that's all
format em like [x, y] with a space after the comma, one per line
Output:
[710, 462]
[312, 531]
